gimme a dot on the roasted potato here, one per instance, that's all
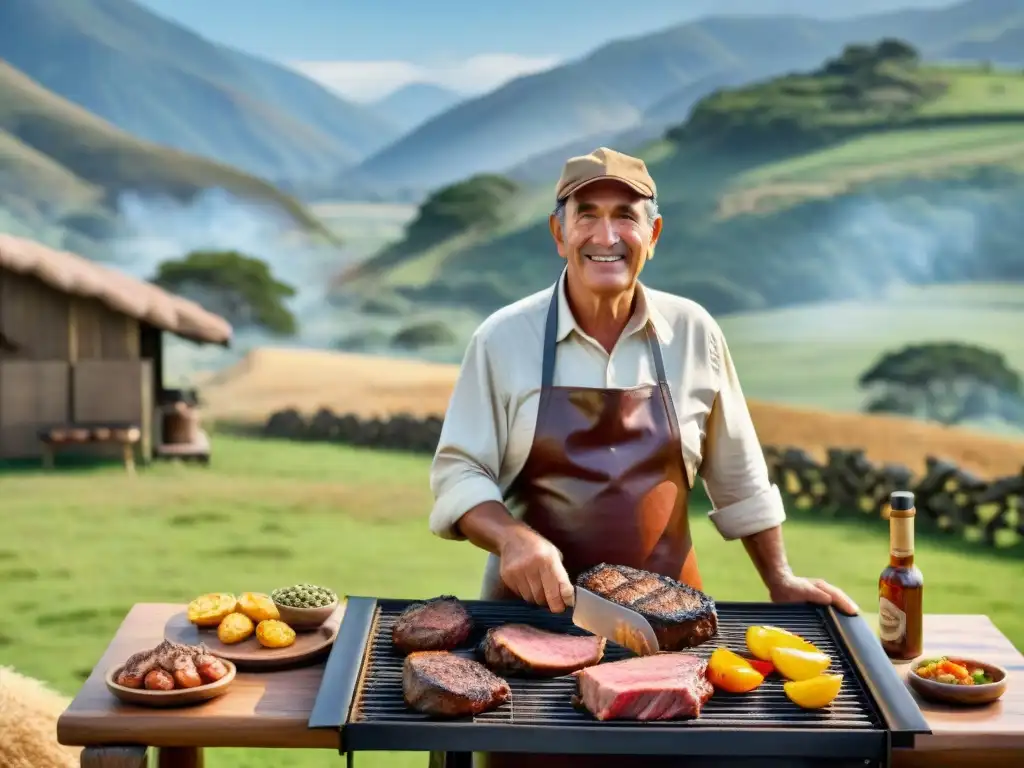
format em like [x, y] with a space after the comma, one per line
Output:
[257, 606]
[208, 610]
[235, 628]
[272, 633]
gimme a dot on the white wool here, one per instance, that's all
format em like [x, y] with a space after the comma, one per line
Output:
[28, 724]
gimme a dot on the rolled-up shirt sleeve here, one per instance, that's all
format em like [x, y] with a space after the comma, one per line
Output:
[468, 459]
[733, 467]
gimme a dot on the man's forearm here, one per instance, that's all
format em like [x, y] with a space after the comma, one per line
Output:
[768, 553]
[488, 526]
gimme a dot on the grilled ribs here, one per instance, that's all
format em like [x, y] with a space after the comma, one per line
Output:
[442, 684]
[681, 616]
[439, 624]
[519, 649]
[664, 686]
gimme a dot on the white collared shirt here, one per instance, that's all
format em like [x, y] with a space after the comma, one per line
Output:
[489, 426]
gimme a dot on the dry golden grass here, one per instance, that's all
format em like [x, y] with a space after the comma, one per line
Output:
[272, 379]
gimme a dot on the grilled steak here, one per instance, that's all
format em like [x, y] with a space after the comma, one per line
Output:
[445, 685]
[664, 686]
[519, 649]
[681, 616]
[439, 624]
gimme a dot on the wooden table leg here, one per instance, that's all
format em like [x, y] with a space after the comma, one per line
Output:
[128, 450]
[180, 757]
[113, 757]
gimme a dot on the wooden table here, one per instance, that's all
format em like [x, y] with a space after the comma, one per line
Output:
[991, 736]
[270, 710]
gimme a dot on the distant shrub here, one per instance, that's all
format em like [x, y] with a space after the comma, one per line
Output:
[431, 333]
[384, 304]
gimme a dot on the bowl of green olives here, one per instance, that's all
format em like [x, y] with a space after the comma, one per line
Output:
[304, 607]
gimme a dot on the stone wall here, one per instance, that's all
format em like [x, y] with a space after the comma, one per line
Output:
[846, 484]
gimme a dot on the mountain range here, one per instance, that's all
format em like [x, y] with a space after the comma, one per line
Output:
[871, 169]
[163, 83]
[100, 97]
[650, 82]
[63, 166]
[414, 104]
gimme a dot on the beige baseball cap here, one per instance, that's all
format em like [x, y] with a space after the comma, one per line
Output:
[604, 163]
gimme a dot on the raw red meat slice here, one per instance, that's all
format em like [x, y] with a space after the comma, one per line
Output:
[664, 686]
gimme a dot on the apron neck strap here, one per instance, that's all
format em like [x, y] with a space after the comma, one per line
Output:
[551, 342]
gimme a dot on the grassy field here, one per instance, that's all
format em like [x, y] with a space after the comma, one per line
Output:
[811, 355]
[808, 356]
[270, 379]
[81, 547]
[365, 226]
[892, 155]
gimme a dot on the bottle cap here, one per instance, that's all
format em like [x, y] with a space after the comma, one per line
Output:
[901, 501]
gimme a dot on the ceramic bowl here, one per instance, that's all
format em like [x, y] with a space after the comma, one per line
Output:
[949, 693]
[305, 619]
[180, 697]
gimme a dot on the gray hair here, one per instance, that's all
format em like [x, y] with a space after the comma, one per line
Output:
[650, 208]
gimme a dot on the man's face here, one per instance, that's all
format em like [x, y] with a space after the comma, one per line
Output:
[606, 238]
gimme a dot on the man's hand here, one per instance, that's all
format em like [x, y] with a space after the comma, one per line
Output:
[796, 589]
[532, 567]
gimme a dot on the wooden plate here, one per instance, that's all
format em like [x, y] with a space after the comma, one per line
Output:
[948, 693]
[181, 697]
[249, 654]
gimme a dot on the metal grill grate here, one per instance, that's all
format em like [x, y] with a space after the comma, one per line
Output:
[361, 693]
[547, 702]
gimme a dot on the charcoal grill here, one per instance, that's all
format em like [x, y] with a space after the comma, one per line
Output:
[361, 694]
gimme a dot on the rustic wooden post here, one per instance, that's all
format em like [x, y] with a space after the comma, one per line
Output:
[113, 757]
[180, 757]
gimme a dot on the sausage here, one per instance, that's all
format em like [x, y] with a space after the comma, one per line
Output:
[211, 669]
[185, 673]
[130, 681]
[159, 680]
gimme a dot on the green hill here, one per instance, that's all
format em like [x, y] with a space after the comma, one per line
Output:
[871, 171]
[631, 82]
[57, 160]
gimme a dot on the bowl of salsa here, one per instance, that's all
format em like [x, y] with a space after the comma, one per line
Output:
[957, 680]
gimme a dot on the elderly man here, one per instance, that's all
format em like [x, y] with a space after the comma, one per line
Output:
[582, 415]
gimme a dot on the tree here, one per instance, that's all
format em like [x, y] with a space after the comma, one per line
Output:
[479, 201]
[894, 49]
[945, 382]
[240, 288]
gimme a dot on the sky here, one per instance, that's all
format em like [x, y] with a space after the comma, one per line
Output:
[365, 49]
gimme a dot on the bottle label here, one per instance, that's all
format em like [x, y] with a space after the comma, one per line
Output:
[892, 621]
[901, 536]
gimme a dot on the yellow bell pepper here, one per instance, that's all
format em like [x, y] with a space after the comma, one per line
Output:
[732, 673]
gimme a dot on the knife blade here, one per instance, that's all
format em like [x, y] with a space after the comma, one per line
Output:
[614, 622]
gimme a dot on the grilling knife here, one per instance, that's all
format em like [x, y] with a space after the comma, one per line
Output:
[614, 622]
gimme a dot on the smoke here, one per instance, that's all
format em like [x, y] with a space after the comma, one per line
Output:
[911, 240]
[154, 229]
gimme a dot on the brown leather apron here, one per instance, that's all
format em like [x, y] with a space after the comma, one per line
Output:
[605, 481]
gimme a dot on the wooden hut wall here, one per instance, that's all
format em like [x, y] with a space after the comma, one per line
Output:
[66, 359]
[34, 318]
[99, 333]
